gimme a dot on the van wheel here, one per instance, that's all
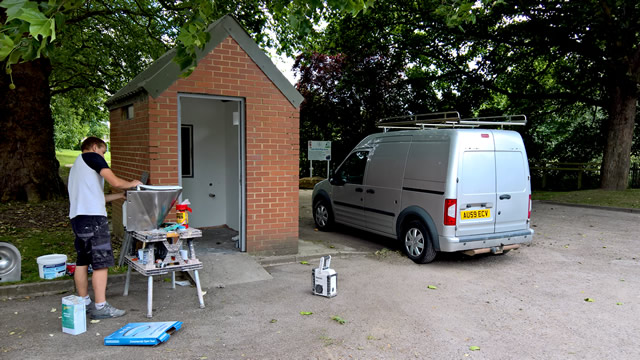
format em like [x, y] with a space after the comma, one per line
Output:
[417, 243]
[322, 215]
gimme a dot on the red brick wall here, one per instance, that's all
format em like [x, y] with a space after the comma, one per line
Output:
[129, 149]
[272, 143]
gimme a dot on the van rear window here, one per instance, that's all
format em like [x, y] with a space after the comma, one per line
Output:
[478, 172]
[510, 172]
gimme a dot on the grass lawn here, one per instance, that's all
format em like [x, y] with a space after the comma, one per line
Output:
[629, 198]
[67, 157]
[39, 229]
[44, 228]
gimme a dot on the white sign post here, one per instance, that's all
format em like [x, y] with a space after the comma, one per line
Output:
[319, 150]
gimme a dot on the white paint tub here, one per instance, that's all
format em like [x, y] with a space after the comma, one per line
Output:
[52, 266]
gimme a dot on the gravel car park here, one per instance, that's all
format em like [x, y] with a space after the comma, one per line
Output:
[528, 304]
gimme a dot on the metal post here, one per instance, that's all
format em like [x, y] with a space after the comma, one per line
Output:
[328, 169]
[126, 281]
[198, 288]
[311, 168]
[149, 296]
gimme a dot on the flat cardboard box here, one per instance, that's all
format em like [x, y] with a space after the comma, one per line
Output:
[146, 333]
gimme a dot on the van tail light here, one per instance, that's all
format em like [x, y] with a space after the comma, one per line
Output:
[529, 214]
[450, 211]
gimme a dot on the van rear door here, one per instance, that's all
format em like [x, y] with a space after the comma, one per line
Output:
[512, 182]
[476, 183]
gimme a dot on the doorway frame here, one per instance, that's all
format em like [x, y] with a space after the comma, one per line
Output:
[241, 154]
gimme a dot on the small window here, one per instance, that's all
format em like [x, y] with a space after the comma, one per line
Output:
[352, 170]
[186, 137]
[129, 112]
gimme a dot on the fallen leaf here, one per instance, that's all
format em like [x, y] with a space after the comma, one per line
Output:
[431, 287]
[474, 348]
[11, 333]
[619, 303]
[304, 262]
[53, 310]
[305, 313]
[340, 320]
[332, 247]
[95, 321]
[273, 321]
[589, 300]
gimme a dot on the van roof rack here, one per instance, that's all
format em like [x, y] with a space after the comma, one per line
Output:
[448, 119]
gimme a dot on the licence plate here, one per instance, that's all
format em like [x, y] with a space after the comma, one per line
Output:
[475, 214]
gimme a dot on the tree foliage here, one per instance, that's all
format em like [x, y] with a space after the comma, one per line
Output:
[572, 67]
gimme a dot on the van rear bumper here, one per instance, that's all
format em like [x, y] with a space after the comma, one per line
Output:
[451, 244]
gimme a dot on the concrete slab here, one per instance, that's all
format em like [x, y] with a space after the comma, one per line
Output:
[222, 269]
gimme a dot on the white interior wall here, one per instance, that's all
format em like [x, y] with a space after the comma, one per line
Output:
[215, 151]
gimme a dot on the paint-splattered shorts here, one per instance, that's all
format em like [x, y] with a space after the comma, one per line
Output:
[93, 241]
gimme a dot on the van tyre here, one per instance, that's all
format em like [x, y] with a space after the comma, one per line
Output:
[417, 243]
[322, 215]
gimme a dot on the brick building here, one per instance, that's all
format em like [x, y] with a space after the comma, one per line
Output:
[228, 134]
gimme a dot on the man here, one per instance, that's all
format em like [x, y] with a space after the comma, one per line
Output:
[88, 216]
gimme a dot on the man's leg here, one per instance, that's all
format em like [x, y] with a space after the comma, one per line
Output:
[80, 277]
[99, 282]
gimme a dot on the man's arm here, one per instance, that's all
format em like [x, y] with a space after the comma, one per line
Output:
[115, 196]
[117, 182]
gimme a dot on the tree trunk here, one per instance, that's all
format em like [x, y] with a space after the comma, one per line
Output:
[617, 152]
[27, 152]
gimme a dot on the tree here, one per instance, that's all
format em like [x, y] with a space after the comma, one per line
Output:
[50, 48]
[564, 53]
[552, 59]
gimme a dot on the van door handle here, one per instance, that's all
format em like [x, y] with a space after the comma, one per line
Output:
[371, 191]
[505, 197]
[358, 189]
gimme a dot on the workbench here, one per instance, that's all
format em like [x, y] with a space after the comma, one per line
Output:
[172, 261]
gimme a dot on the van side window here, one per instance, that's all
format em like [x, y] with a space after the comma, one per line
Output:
[352, 170]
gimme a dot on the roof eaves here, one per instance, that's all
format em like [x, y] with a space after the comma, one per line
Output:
[252, 49]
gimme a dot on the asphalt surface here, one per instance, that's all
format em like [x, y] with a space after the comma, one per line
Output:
[527, 304]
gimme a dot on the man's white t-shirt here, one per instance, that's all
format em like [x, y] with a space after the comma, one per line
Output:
[86, 186]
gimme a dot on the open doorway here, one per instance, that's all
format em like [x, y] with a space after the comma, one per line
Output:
[211, 167]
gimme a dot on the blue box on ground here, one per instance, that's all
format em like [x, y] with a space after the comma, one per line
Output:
[146, 333]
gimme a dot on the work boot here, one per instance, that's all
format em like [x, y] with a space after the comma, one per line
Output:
[106, 312]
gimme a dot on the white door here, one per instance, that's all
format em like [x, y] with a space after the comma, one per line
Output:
[383, 184]
[476, 193]
[348, 190]
[512, 191]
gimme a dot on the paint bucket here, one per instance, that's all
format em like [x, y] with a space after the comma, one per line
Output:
[71, 268]
[74, 316]
[52, 266]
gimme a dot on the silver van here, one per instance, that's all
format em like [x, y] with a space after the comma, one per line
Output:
[434, 189]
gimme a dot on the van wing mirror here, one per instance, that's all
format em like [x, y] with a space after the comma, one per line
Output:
[336, 181]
